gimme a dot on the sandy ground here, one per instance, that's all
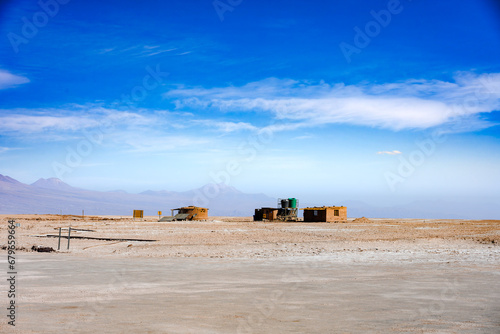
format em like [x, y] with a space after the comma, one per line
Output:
[232, 275]
[242, 238]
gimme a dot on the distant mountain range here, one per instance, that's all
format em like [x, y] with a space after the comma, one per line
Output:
[53, 196]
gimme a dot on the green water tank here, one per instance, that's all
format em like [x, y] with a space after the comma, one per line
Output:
[292, 202]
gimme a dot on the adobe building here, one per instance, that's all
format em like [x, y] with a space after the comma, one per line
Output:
[328, 214]
[192, 212]
[286, 211]
[187, 213]
[265, 214]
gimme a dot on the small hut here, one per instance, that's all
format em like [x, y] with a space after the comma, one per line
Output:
[187, 213]
[265, 214]
[325, 214]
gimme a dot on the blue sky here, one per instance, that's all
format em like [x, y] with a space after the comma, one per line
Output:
[383, 101]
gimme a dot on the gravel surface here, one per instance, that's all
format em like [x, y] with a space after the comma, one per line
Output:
[241, 238]
[232, 275]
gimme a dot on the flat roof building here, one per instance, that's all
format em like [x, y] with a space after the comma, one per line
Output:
[329, 214]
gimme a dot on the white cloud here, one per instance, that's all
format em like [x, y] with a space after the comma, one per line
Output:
[31, 124]
[9, 80]
[71, 119]
[390, 152]
[412, 104]
[51, 121]
[138, 131]
[226, 127]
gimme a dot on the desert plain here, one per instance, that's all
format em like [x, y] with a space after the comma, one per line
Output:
[233, 275]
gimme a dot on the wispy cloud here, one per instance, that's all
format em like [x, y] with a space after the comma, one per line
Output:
[137, 50]
[390, 152]
[70, 119]
[9, 80]
[10, 149]
[153, 51]
[32, 124]
[412, 104]
[153, 143]
[139, 131]
[303, 137]
[106, 50]
[226, 127]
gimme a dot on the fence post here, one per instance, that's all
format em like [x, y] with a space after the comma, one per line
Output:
[69, 236]
[59, 242]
